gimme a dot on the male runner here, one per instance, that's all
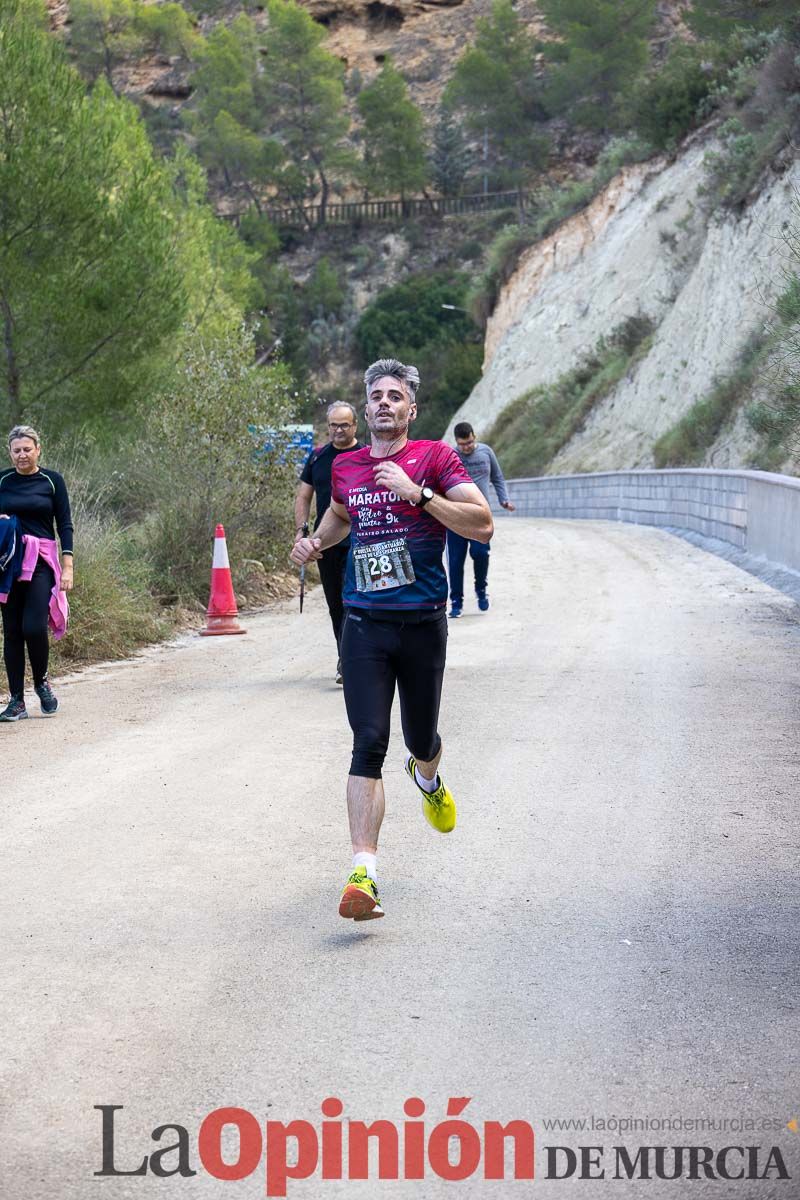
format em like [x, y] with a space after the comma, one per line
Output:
[315, 481]
[481, 463]
[399, 497]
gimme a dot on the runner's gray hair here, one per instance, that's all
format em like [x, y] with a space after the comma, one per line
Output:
[23, 431]
[408, 375]
[342, 404]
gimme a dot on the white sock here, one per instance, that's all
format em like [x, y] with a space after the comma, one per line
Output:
[370, 861]
[429, 785]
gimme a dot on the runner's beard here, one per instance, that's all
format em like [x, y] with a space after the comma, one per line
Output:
[392, 433]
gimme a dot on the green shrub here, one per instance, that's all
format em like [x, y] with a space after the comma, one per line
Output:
[778, 423]
[470, 250]
[258, 232]
[410, 315]
[619, 152]
[325, 291]
[112, 612]
[202, 461]
[787, 306]
[735, 67]
[732, 172]
[505, 251]
[166, 28]
[663, 106]
[760, 101]
[362, 256]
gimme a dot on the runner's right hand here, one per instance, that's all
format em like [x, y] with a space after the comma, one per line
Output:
[305, 550]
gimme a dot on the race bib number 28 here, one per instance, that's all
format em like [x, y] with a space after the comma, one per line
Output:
[381, 566]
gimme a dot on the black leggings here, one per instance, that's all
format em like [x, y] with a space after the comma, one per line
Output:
[25, 614]
[331, 571]
[376, 655]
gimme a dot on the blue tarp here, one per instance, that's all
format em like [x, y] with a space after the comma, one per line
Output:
[293, 443]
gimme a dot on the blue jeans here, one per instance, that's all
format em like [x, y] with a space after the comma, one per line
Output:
[457, 547]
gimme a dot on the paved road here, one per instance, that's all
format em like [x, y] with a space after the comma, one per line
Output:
[611, 931]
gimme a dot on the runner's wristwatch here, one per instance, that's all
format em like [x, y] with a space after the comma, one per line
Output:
[426, 496]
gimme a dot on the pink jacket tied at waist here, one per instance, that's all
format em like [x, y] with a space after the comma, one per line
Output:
[46, 548]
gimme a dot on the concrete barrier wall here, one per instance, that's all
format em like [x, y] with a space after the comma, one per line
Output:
[752, 511]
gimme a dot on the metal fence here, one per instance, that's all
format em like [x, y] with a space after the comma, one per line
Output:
[366, 211]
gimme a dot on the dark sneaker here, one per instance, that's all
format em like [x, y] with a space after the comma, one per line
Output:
[455, 609]
[339, 679]
[15, 710]
[47, 697]
[483, 601]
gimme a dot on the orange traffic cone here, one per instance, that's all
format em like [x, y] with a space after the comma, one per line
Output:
[222, 612]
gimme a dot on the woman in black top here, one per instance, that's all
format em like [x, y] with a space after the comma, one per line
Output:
[38, 498]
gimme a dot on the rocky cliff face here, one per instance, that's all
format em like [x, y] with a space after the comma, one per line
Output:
[647, 245]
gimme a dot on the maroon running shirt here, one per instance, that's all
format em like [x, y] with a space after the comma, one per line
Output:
[395, 559]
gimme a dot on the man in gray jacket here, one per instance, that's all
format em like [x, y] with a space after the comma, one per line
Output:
[483, 468]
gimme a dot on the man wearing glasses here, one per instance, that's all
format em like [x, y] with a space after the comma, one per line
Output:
[315, 481]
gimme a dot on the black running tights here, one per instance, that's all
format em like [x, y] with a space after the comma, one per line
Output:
[378, 656]
[25, 615]
[331, 572]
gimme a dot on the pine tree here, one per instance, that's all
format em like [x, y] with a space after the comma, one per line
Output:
[495, 83]
[450, 157]
[104, 251]
[227, 116]
[394, 146]
[602, 50]
[165, 28]
[302, 97]
[102, 34]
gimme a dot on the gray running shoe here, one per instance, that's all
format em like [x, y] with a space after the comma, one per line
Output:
[47, 697]
[339, 679]
[15, 710]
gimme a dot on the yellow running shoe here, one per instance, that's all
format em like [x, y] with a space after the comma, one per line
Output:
[360, 899]
[439, 806]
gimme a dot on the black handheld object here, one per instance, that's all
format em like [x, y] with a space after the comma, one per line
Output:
[303, 570]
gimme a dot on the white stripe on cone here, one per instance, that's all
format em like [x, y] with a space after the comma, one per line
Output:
[220, 553]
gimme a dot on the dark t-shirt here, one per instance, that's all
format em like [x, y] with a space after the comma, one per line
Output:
[317, 472]
[40, 501]
[388, 531]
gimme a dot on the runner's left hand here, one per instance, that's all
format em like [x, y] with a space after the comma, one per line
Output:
[507, 504]
[66, 579]
[391, 475]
